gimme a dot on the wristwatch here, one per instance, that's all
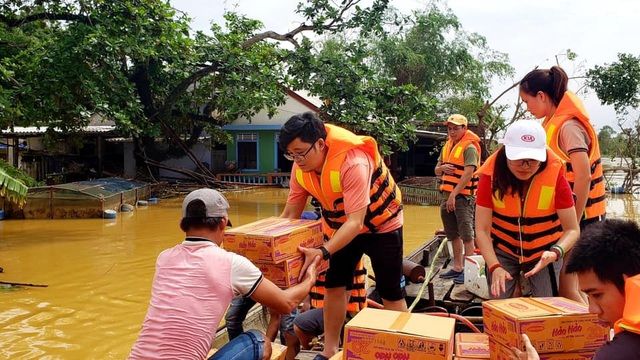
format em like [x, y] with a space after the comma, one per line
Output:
[326, 255]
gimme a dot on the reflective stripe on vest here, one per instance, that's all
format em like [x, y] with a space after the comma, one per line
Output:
[358, 298]
[385, 197]
[525, 232]
[454, 155]
[570, 107]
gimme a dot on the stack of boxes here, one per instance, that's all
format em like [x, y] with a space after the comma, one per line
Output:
[559, 329]
[375, 334]
[472, 346]
[272, 244]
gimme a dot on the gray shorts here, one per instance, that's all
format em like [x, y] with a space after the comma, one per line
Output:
[459, 223]
[541, 284]
[310, 322]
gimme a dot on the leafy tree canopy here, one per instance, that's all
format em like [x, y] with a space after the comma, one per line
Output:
[138, 63]
[617, 84]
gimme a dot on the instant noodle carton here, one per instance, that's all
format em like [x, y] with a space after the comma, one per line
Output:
[500, 352]
[285, 274]
[375, 334]
[553, 324]
[273, 239]
[472, 346]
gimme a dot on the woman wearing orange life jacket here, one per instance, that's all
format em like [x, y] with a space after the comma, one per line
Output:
[572, 137]
[525, 219]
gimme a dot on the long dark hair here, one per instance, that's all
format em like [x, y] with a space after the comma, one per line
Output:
[504, 182]
[552, 82]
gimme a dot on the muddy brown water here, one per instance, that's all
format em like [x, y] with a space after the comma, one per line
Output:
[99, 272]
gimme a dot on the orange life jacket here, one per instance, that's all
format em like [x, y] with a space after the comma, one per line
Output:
[525, 232]
[358, 298]
[631, 315]
[454, 154]
[571, 107]
[326, 187]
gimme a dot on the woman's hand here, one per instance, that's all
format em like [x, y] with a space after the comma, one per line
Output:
[499, 277]
[547, 258]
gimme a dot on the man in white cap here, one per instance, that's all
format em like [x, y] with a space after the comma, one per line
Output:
[459, 158]
[194, 284]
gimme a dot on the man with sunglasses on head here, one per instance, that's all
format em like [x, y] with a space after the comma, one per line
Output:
[361, 212]
[459, 158]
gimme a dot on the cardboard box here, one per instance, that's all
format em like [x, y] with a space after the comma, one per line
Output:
[273, 239]
[278, 351]
[475, 277]
[472, 346]
[500, 352]
[552, 324]
[285, 274]
[375, 334]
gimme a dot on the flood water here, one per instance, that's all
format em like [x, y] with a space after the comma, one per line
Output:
[99, 272]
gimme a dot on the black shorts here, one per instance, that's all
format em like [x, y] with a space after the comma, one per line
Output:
[385, 251]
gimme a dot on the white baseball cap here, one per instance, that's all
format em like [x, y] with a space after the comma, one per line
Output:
[215, 203]
[525, 139]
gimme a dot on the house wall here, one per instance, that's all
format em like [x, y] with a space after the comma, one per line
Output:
[200, 150]
[266, 144]
[291, 107]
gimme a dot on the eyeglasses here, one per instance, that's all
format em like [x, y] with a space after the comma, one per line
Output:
[528, 163]
[454, 128]
[299, 157]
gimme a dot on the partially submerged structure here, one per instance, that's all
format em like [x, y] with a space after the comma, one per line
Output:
[82, 199]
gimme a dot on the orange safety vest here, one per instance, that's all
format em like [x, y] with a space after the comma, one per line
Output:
[358, 298]
[454, 154]
[326, 187]
[631, 315]
[525, 232]
[571, 107]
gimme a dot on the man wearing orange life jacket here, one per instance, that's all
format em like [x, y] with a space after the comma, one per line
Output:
[458, 160]
[606, 258]
[525, 219]
[572, 137]
[361, 212]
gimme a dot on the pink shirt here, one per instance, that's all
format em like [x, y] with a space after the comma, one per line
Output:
[355, 175]
[192, 288]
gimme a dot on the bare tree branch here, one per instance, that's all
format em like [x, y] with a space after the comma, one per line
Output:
[274, 35]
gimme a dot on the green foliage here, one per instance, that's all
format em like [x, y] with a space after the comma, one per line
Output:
[137, 63]
[607, 141]
[386, 85]
[437, 56]
[14, 183]
[617, 84]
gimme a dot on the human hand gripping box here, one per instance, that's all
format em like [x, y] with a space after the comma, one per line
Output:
[501, 352]
[274, 239]
[375, 334]
[553, 324]
[286, 273]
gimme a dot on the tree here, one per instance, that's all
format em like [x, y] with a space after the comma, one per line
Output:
[137, 63]
[607, 141]
[617, 84]
[423, 68]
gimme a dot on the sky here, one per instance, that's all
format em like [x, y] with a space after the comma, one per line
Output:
[532, 33]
